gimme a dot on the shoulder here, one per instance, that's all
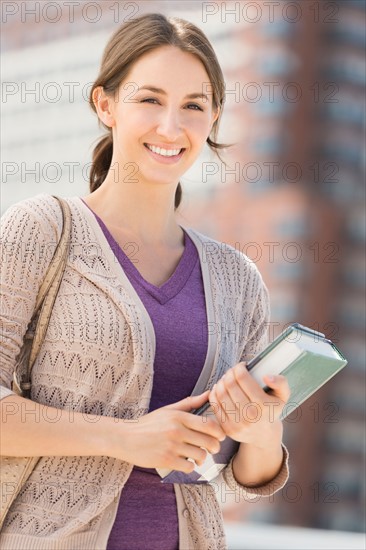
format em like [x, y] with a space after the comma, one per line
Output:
[42, 211]
[230, 262]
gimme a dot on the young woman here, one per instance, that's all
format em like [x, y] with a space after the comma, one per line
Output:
[149, 317]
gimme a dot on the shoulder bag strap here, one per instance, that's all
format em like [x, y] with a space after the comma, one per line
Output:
[59, 253]
[48, 291]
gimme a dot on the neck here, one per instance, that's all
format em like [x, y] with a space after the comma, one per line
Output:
[145, 213]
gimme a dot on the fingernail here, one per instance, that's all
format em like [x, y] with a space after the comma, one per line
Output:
[270, 377]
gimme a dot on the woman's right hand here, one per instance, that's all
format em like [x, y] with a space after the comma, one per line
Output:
[166, 437]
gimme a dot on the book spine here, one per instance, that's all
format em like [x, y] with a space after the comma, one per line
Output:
[311, 331]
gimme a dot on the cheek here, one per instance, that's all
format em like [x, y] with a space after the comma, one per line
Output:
[144, 118]
[134, 122]
[197, 124]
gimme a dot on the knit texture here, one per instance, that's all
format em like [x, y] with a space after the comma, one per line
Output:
[98, 358]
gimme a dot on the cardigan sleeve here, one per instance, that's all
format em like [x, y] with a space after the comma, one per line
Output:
[258, 339]
[27, 244]
[250, 493]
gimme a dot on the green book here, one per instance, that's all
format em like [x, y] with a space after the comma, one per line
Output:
[305, 357]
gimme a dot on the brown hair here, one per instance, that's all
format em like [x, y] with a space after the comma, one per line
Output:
[134, 38]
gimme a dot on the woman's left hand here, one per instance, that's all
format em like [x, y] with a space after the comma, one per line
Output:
[244, 410]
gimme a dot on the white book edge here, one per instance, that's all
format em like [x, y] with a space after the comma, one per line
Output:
[285, 353]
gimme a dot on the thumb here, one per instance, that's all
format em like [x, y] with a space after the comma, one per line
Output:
[279, 386]
[190, 402]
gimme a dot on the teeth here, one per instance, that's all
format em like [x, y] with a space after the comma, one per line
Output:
[164, 152]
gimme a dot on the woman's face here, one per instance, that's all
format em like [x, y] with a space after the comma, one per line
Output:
[166, 117]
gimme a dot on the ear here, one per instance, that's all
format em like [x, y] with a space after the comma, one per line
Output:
[215, 116]
[104, 105]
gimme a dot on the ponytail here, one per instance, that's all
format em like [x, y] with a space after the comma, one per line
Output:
[178, 196]
[102, 158]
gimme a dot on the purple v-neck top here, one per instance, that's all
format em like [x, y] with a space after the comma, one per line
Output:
[147, 512]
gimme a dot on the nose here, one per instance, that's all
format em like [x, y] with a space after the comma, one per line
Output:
[169, 125]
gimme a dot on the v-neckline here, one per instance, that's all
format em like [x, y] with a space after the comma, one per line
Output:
[213, 340]
[172, 286]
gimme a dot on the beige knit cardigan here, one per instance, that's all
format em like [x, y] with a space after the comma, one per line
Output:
[98, 358]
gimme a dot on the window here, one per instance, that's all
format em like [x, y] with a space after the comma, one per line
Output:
[353, 270]
[285, 271]
[345, 436]
[280, 28]
[345, 111]
[351, 310]
[297, 227]
[354, 350]
[349, 70]
[350, 29]
[265, 106]
[344, 478]
[358, 4]
[273, 145]
[350, 153]
[356, 225]
[277, 63]
[284, 306]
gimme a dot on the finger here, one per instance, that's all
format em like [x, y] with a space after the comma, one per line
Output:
[190, 402]
[233, 389]
[246, 409]
[183, 465]
[247, 383]
[205, 424]
[191, 451]
[234, 408]
[216, 402]
[279, 386]
[212, 444]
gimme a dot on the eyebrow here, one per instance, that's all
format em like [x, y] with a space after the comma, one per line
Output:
[162, 92]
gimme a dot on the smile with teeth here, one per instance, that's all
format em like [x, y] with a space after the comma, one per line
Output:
[163, 152]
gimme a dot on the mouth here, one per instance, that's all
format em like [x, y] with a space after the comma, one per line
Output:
[165, 157]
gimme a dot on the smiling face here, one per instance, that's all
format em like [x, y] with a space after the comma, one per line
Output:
[170, 116]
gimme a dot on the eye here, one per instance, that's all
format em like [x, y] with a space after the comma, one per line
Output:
[148, 99]
[195, 105]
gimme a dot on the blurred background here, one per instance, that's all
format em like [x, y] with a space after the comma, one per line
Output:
[291, 197]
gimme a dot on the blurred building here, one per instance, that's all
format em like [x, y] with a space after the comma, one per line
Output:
[291, 196]
[294, 202]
